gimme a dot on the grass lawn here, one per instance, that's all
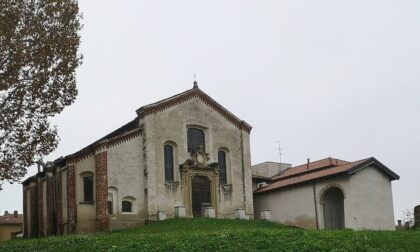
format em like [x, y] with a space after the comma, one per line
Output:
[223, 235]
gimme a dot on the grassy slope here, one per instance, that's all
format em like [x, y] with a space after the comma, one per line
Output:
[229, 235]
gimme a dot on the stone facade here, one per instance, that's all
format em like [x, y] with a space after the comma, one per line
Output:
[127, 171]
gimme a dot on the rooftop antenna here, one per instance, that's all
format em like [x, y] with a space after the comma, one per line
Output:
[195, 81]
[280, 149]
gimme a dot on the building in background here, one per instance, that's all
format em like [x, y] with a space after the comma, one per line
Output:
[330, 194]
[186, 150]
[10, 225]
[262, 173]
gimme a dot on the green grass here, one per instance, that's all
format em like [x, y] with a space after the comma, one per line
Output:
[223, 235]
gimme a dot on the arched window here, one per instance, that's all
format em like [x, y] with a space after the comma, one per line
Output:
[169, 162]
[195, 138]
[112, 200]
[127, 206]
[222, 166]
[87, 187]
[110, 207]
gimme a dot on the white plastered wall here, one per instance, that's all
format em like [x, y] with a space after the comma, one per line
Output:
[371, 201]
[126, 180]
[86, 213]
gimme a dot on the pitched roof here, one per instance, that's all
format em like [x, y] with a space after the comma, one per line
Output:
[305, 168]
[322, 169]
[9, 219]
[124, 130]
[189, 95]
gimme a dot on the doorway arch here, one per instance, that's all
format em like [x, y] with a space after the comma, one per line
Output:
[333, 208]
[200, 194]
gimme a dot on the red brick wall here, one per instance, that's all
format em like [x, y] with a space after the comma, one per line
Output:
[25, 213]
[40, 216]
[71, 198]
[102, 221]
[59, 202]
[49, 222]
[33, 211]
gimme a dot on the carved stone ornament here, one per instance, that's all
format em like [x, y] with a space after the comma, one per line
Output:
[199, 161]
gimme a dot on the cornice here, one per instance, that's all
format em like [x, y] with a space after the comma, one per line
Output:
[187, 96]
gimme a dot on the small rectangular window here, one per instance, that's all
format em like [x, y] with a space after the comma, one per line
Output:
[127, 206]
[88, 189]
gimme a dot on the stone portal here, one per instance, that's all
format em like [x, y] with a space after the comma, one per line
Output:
[199, 181]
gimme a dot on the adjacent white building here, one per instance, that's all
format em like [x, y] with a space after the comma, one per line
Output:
[329, 194]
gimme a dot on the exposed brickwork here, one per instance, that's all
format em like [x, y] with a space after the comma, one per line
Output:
[25, 213]
[102, 221]
[40, 216]
[33, 211]
[59, 202]
[49, 222]
[71, 198]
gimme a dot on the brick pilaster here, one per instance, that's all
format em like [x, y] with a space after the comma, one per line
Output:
[59, 202]
[40, 195]
[102, 221]
[25, 213]
[49, 222]
[71, 198]
[33, 210]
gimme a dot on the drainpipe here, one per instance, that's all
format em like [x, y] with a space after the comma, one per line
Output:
[315, 205]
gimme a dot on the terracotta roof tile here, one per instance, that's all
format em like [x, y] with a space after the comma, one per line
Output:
[320, 164]
[319, 169]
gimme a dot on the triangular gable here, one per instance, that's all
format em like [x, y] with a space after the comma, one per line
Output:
[373, 161]
[189, 95]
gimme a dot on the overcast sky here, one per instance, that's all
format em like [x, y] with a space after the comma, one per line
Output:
[326, 78]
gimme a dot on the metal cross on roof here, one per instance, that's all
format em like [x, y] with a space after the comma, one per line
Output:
[195, 81]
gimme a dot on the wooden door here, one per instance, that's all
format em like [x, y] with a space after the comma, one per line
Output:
[201, 197]
[333, 209]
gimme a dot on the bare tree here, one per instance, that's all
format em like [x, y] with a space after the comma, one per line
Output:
[39, 41]
[408, 216]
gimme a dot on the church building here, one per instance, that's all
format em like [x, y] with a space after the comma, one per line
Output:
[185, 151]
[188, 156]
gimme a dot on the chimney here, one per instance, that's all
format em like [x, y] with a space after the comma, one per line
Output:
[307, 164]
[6, 213]
[15, 214]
